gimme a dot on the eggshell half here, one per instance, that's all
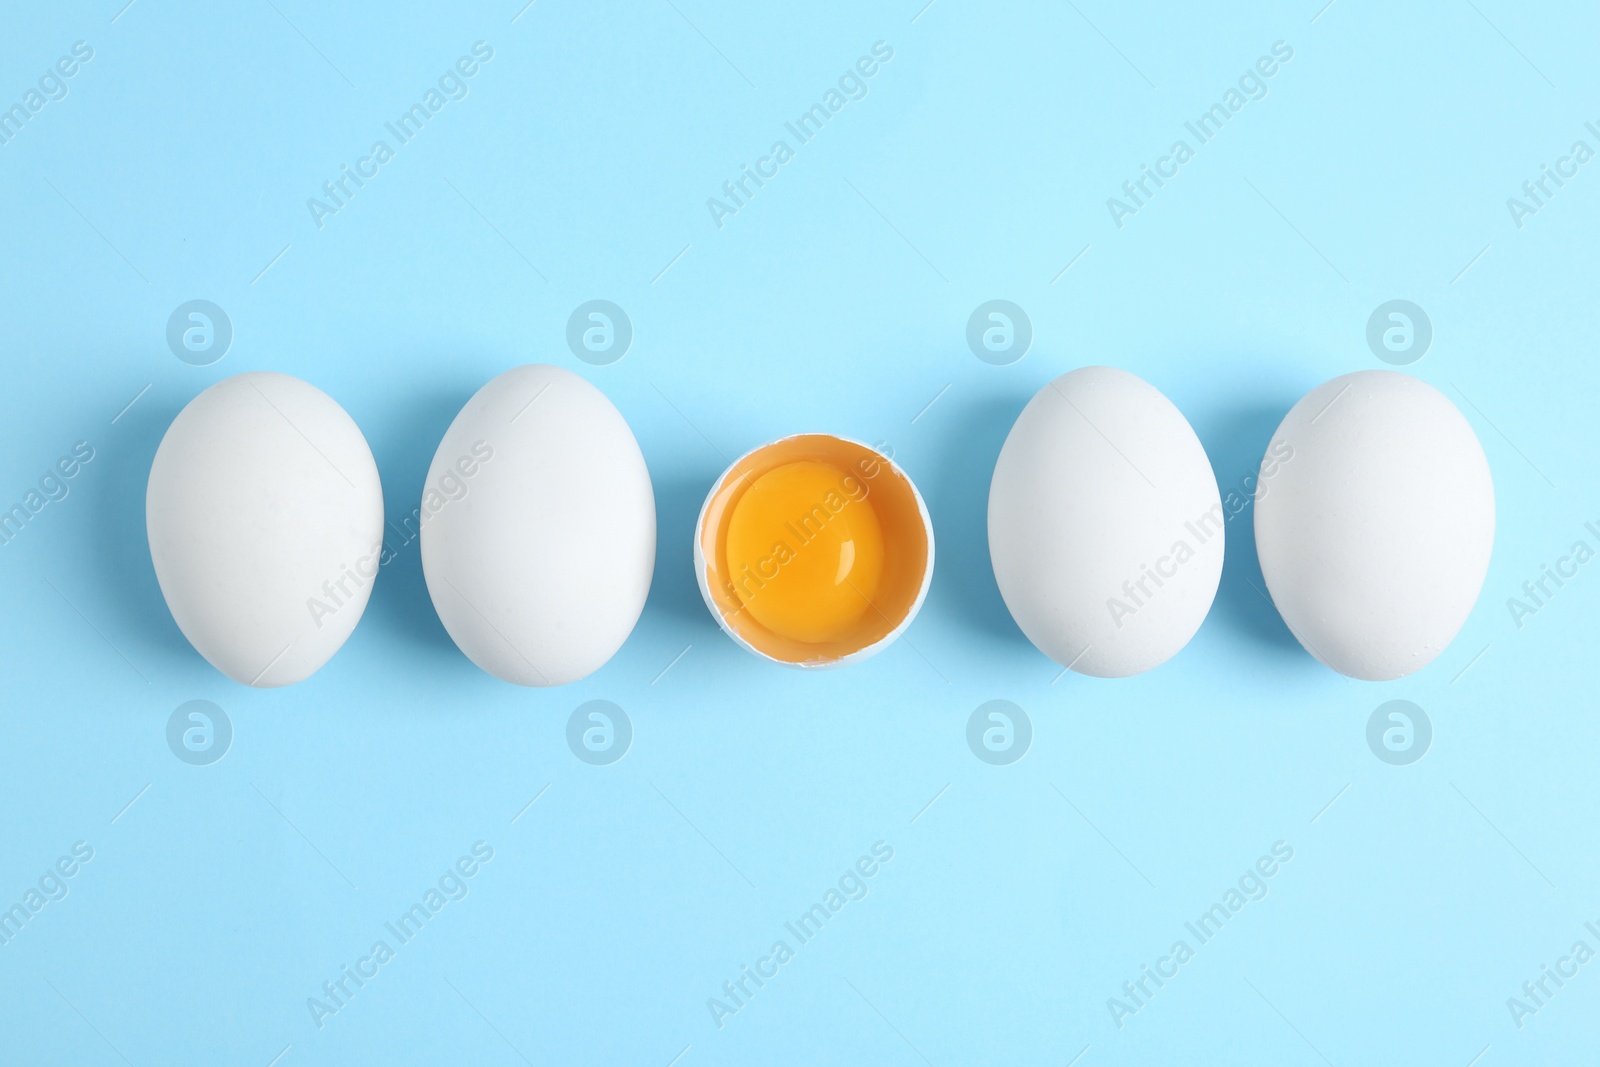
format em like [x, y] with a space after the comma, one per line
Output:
[538, 528]
[908, 544]
[1105, 524]
[1375, 524]
[265, 519]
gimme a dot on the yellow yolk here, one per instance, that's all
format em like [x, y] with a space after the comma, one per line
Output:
[805, 551]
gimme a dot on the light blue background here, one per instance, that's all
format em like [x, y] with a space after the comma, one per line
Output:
[977, 167]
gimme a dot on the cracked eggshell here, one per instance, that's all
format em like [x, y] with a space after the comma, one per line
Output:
[265, 520]
[908, 541]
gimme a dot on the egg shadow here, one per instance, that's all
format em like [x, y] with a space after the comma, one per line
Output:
[122, 565]
[1235, 440]
[675, 601]
[400, 604]
[964, 588]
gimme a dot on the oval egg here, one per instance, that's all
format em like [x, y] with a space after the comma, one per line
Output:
[265, 520]
[538, 528]
[1374, 522]
[1105, 524]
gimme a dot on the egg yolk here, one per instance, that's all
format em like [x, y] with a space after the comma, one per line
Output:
[805, 551]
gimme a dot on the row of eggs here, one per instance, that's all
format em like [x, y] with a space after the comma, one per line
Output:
[1374, 522]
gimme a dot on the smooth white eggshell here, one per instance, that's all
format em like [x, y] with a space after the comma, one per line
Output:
[265, 519]
[540, 566]
[1098, 484]
[1375, 534]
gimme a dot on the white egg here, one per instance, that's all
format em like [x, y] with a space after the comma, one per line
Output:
[538, 528]
[1374, 523]
[265, 520]
[1105, 524]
